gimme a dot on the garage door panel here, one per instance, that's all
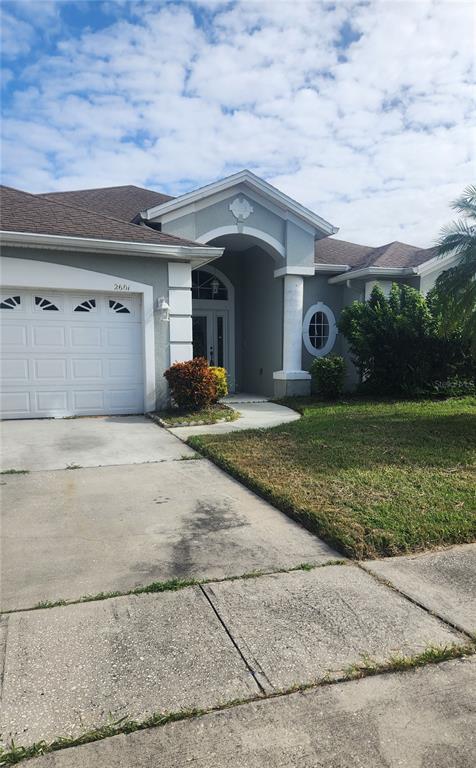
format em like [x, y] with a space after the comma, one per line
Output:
[14, 405]
[15, 370]
[87, 368]
[124, 368]
[50, 369]
[86, 336]
[51, 401]
[120, 399]
[51, 335]
[123, 337]
[13, 335]
[88, 400]
[54, 364]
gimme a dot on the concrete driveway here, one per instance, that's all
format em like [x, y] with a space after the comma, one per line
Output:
[109, 504]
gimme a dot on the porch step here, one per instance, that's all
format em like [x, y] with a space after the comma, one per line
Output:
[244, 397]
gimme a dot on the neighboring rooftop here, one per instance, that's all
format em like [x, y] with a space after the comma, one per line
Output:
[395, 254]
[38, 214]
[124, 202]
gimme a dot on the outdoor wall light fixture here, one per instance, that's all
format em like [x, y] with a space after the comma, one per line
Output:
[163, 309]
[215, 286]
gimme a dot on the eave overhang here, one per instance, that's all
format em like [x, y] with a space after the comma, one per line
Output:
[380, 272]
[331, 268]
[197, 255]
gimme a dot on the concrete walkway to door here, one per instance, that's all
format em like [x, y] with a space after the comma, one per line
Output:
[255, 413]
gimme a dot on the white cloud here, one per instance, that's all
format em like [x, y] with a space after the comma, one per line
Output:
[17, 35]
[375, 137]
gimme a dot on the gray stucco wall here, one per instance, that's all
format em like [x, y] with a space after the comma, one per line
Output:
[143, 270]
[262, 312]
[258, 318]
[194, 225]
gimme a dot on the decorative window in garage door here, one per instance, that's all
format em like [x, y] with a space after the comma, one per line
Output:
[86, 306]
[11, 302]
[116, 306]
[45, 304]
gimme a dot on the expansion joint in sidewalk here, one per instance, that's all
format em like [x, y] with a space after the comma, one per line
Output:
[258, 676]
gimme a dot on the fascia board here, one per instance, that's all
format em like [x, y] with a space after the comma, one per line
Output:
[155, 250]
[250, 180]
[373, 272]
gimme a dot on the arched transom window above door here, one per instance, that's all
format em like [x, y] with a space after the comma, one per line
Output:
[205, 285]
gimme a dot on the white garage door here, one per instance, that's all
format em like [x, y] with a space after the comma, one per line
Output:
[70, 354]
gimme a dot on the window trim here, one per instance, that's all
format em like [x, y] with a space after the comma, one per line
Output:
[327, 311]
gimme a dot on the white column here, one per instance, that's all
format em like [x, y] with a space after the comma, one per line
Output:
[292, 322]
[180, 301]
[292, 340]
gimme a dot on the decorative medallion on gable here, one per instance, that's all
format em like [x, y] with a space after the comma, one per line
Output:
[241, 208]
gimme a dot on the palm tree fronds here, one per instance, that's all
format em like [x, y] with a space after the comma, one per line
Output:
[466, 203]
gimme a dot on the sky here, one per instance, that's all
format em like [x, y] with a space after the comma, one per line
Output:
[362, 110]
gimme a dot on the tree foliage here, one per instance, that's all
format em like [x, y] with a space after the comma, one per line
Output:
[397, 346]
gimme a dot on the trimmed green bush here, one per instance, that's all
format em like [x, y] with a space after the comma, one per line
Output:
[397, 344]
[328, 375]
[192, 384]
[221, 381]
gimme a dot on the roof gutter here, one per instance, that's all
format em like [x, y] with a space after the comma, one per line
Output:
[198, 255]
[373, 272]
[331, 268]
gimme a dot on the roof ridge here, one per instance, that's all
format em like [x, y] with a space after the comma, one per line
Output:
[100, 189]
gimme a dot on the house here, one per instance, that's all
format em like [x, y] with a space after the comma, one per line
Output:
[102, 289]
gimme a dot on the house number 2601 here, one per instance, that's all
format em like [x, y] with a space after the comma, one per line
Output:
[121, 287]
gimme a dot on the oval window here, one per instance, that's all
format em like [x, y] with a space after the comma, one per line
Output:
[319, 330]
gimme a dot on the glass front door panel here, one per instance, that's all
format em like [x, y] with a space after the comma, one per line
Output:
[200, 336]
[210, 337]
[220, 341]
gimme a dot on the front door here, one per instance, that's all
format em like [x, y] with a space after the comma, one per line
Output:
[210, 336]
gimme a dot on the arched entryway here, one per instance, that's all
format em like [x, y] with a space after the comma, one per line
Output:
[237, 312]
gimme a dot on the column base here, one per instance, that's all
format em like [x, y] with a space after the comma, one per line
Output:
[292, 383]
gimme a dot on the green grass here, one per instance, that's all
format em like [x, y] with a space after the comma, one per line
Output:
[173, 585]
[177, 418]
[15, 472]
[373, 478]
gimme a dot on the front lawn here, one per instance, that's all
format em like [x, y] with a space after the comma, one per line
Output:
[372, 478]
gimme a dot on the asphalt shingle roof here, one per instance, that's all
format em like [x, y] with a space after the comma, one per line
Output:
[24, 212]
[124, 202]
[396, 254]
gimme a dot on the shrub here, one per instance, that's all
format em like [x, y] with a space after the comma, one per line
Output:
[397, 344]
[192, 384]
[455, 387]
[220, 381]
[328, 374]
